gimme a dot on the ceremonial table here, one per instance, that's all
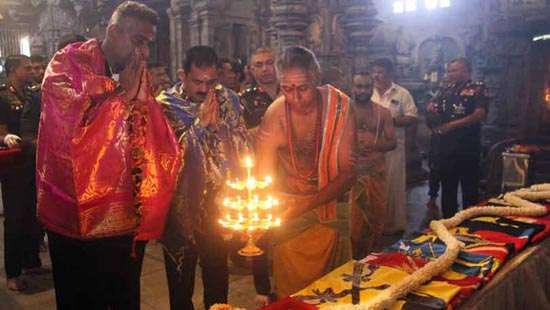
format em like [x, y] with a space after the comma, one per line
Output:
[505, 265]
[522, 283]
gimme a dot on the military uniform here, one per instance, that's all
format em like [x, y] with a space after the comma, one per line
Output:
[458, 150]
[255, 101]
[20, 113]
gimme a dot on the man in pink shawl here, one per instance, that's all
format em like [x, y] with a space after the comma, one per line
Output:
[107, 163]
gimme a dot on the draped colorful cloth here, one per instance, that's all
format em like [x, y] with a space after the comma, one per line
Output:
[105, 166]
[368, 211]
[336, 113]
[209, 155]
[316, 242]
[490, 242]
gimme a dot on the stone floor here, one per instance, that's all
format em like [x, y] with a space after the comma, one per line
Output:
[154, 294]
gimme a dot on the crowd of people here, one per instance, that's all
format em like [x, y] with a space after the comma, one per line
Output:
[114, 154]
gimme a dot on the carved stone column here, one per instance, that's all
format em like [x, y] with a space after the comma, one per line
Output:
[359, 21]
[265, 28]
[54, 22]
[203, 22]
[179, 14]
[290, 20]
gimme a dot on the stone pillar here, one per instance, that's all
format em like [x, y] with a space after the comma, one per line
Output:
[359, 22]
[290, 20]
[10, 39]
[265, 28]
[203, 23]
[178, 13]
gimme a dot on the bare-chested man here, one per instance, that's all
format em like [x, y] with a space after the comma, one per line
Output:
[375, 137]
[306, 140]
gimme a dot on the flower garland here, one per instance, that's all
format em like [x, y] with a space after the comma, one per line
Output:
[541, 187]
[522, 207]
[137, 129]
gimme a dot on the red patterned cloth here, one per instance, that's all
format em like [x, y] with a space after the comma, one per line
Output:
[490, 241]
[87, 149]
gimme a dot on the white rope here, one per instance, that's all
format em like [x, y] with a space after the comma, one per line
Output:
[521, 207]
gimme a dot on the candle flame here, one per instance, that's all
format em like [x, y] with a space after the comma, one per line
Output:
[251, 212]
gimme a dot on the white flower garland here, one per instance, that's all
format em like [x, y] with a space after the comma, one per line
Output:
[530, 195]
[541, 187]
[522, 207]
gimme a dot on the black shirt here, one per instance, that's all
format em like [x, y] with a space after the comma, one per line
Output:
[11, 108]
[21, 115]
[255, 101]
[455, 102]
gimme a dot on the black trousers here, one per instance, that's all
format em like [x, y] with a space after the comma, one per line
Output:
[463, 170]
[211, 253]
[96, 274]
[260, 264]
[22, 232]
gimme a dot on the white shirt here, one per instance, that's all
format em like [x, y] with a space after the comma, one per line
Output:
[400, 103]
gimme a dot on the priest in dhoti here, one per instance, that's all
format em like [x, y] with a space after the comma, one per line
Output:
[375, 137]
[306, 141]
[404, 113]
[107, 163]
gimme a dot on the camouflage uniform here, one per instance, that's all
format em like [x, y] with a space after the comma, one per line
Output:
[255, 101]
[22, 233]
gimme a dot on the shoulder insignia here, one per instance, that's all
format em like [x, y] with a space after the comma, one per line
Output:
[480, 87]
[243, 92]
[247, 91]
[34, 87]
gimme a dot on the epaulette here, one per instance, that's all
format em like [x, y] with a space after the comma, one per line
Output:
[34, 88]
[247, 91]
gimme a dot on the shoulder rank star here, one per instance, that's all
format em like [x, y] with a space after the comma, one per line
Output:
[467, 92]
[459, 108]
[247, 90]
[34, 87]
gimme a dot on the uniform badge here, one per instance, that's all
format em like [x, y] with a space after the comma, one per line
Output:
[459, 109]
[467, 92]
